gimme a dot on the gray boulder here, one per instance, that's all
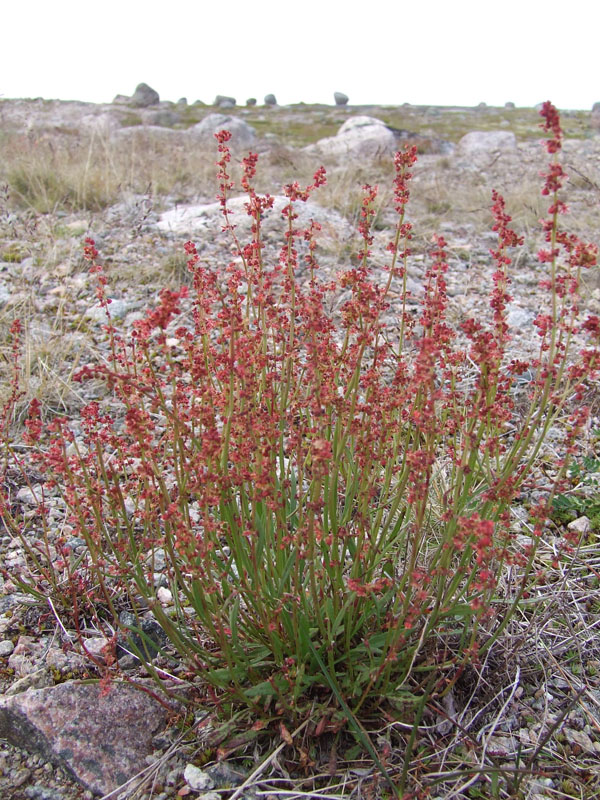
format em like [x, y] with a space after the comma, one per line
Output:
[207, 219]
[358, 137]
[270, 100]
[100, 737]
[243, 135]
[144, 96]
[340, 98]
[182, 101]
[118, 309]
[479, 149]
[251, 101]
[163, 118]
[222, 101]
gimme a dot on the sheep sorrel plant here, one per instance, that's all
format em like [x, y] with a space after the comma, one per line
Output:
[314, 504]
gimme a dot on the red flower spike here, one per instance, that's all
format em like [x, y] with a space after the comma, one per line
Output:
[551, 124]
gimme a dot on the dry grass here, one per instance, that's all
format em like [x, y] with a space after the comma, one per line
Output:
[89, 173]
[52, 350]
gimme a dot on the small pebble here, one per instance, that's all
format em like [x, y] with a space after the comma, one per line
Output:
[197, 779]
[580, 525]
[6, 648]
[165, 596]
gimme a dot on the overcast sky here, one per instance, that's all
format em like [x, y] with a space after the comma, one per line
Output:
[438, 52]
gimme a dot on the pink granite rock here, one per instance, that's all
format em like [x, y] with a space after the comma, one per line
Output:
[101, 737]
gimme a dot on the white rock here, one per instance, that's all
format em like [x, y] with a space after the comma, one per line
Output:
[242, 134]
[95, 646]
[486, 142]
[130, 506]
[208, 218]
[165, 596]
[359, 137]
[6, 648]
[197, 779]
[117, 310]
[31, 496]
[483, 148]
[5, 293]
[580, 525]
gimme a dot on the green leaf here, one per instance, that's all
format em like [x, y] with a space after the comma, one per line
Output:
[264, 689]
[287, 569]
[360, 732]
[304, 636]
[233, 621]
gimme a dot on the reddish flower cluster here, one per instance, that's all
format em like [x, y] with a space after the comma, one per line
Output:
[551, 124]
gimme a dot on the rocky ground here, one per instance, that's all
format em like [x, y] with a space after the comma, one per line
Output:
[139, 181]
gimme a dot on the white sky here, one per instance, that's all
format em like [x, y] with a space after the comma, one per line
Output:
[439, 52]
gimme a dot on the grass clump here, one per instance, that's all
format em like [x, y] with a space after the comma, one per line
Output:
[314, 508]
[89, 172]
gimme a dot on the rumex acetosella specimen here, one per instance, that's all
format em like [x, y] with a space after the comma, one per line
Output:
[326, 496]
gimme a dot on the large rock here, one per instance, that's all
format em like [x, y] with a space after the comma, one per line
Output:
[144, 96]
[222, 101]
[209, 219]
[340, 98]
[100, 737]
[163, 117]
[143, 135]
[359, 137]
[104, 123]
[270, 100]
[243, 135]
[479, 149]
[118, 309]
